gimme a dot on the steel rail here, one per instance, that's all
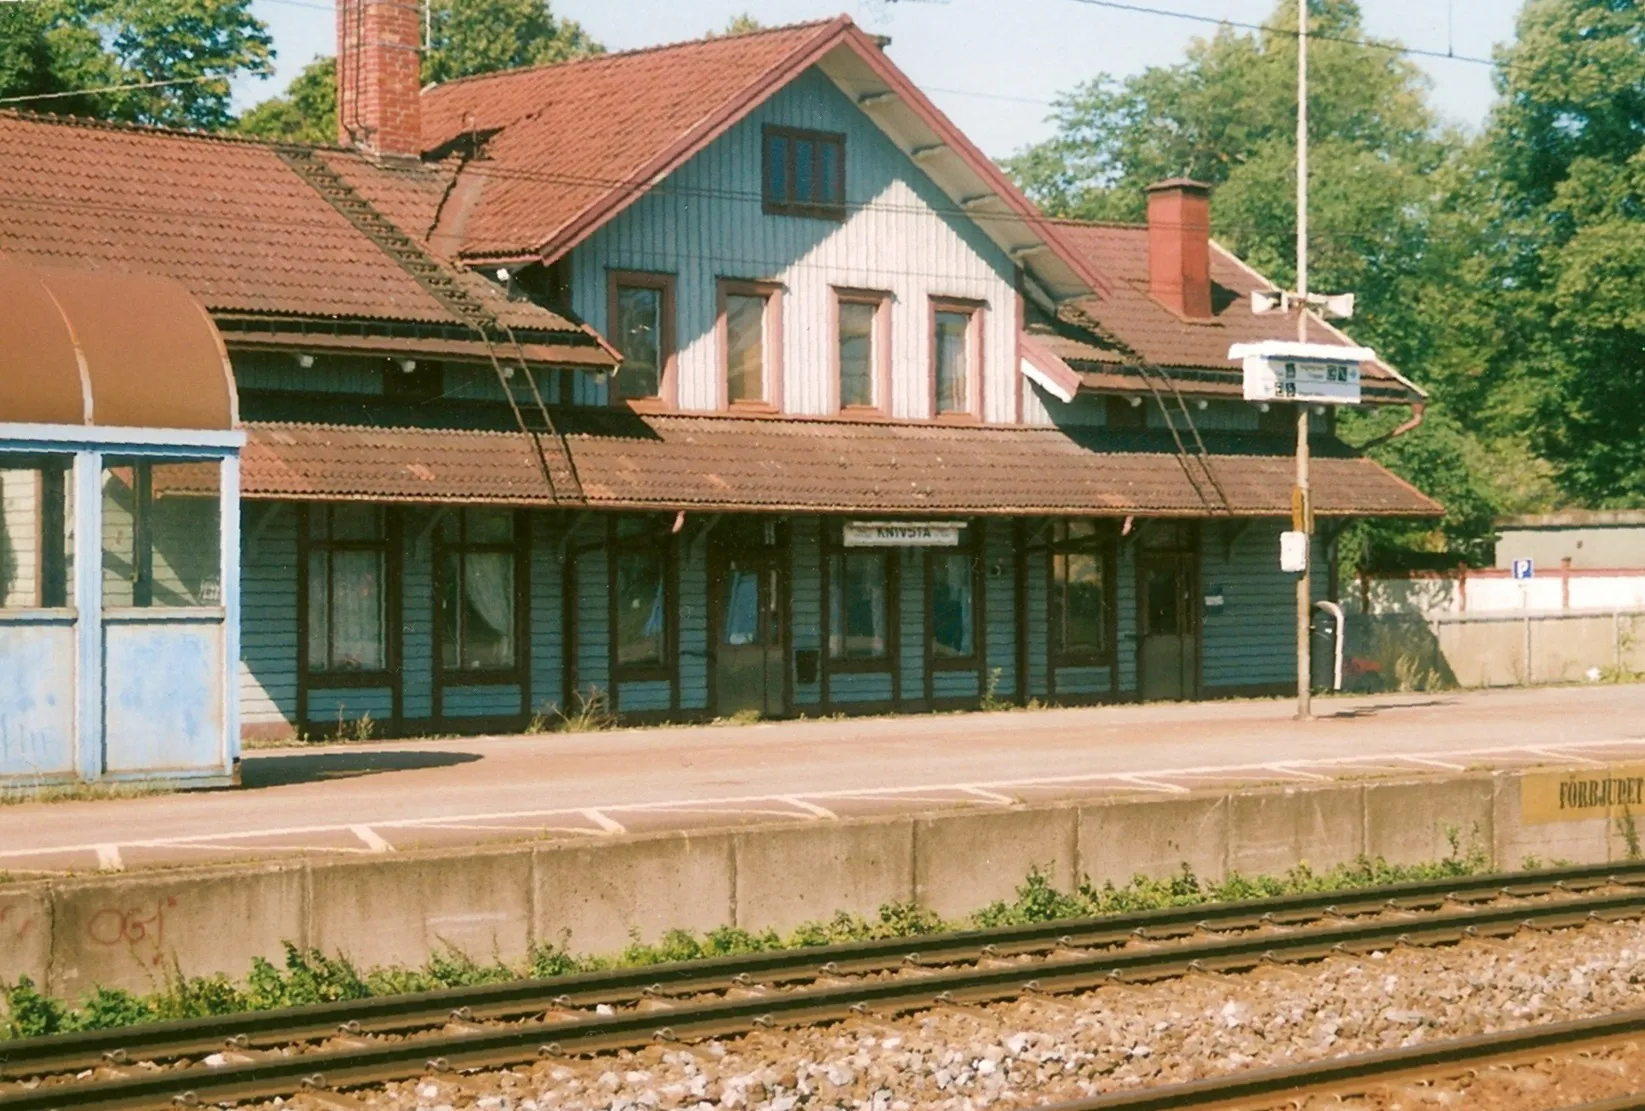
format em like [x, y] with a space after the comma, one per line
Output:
[515, 999]
[504, 1045]
[1357, 1072]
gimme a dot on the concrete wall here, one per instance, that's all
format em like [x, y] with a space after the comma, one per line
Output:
[132, 930]
[1405, 651]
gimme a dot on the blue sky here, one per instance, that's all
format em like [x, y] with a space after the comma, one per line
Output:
[992, 65]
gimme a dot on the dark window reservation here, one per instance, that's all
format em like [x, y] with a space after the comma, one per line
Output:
[804, 173]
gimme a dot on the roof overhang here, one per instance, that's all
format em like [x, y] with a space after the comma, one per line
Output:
[91, 348]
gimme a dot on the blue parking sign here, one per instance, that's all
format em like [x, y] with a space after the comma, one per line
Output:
[1523, 569]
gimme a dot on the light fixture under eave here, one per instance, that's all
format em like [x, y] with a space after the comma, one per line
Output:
[406, 365]
[1135, 400]
[305, 360]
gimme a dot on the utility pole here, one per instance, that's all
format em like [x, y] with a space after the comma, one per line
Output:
[1301, 510]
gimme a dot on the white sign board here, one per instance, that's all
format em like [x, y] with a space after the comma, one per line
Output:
[1293, 552]
[902, 534]
[1319, 373]
[1524, 569]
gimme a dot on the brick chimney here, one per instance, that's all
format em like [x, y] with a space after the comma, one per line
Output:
[1179, 246]
[380, 76]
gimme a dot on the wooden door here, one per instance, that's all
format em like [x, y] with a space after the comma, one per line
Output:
[1168, 651]
[750, 633]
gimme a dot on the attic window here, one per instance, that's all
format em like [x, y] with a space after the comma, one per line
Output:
[804, 173]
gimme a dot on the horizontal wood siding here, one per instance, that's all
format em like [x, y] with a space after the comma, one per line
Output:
[911, 630]
[1251, 640]
[1081, 681]
[706, 222]
[20, 523]
[492, 700]
[649, 697]
[1039, 644]
[268, 616]
[417, 613]
[694, 625]
[1125, 595]
[593, 623]
[547, 616]
[863, 686]
[341, 707]
[805, 592]
[1000, 607]
[954, 684]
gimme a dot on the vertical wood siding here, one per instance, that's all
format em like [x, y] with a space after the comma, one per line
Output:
[706, 222]
[268, 616]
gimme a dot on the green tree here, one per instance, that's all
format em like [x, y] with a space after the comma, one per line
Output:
[1384, 181]
[740, 24]
[1567, 147]
[469, 37]
[483, 36]
[305, 113]
[172, 59]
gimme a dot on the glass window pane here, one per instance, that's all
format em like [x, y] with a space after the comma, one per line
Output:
[805, 171]
[488, 526]
[487, 610]
[953, 362]
[745, 347]
[451, 610]
[857, 353]
[1163, 603]
[640, 339]
[858, 606]
[184, 531]
[319, 611]
[828, 172]
[119, 536]
[740, 624]
[351, 521]
[641, 614]
[776, 168]
[953, 623]
[1081, 599]
[34, 536]
[357, 642]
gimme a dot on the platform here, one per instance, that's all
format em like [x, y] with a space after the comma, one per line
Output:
[365, 799]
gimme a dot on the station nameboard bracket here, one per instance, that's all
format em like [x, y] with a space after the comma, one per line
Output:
[902, 534]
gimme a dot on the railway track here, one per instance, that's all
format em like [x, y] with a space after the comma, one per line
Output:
[377, 1040]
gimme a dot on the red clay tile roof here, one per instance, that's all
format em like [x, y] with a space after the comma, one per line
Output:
[227, 218]
[729, 464]
[1156, 334]
[565, 147]
[573, 132]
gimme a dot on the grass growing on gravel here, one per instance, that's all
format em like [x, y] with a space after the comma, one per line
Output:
[312, 977]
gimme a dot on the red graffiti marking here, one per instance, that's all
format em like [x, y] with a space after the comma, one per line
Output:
[131, 926]
[18, 926]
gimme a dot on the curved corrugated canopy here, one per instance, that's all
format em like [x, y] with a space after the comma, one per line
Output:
[108, 349]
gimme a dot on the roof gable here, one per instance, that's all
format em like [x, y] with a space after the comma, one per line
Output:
[564, 148]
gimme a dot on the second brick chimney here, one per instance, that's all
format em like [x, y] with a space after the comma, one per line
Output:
[1179, 246]
[380, 76]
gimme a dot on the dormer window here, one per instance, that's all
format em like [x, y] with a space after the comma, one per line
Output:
[804, 173]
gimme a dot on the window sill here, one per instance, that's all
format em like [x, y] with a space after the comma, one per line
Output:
[860, 667]
[479, 678]
[836, 213]
[864, 412]
[955, 663]
[1082, 661]
[644, 673]
[957, 418]
[645, 404]
[320, 680]
[752, 409]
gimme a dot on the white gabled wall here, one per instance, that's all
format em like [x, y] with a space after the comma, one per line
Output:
[901, 235]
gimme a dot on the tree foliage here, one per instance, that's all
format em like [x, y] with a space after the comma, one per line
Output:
[172, 60]
[305, 113]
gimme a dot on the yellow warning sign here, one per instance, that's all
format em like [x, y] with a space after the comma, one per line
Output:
[1582, 795]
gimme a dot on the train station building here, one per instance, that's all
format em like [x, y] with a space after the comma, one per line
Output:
[717, 379]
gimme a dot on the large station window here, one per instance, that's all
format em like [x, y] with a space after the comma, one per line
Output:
[161, 533]
[804, 173]
[955, 357]
[951, 596]
[1081, 591]
[640, 596]
[641, 314]
[859, 605]
[34, 534]
[751, 342]
[347, 568]
[478, 563]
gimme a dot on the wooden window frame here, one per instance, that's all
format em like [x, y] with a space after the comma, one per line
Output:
[520, 547]
[52, 589]
[667, 669]
[978, 660]
[771, 344]
[784, 206]
[881, 375]
[833, 547]
[974, 334]
[1105, 544]
[667, 396]
[392, 675]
